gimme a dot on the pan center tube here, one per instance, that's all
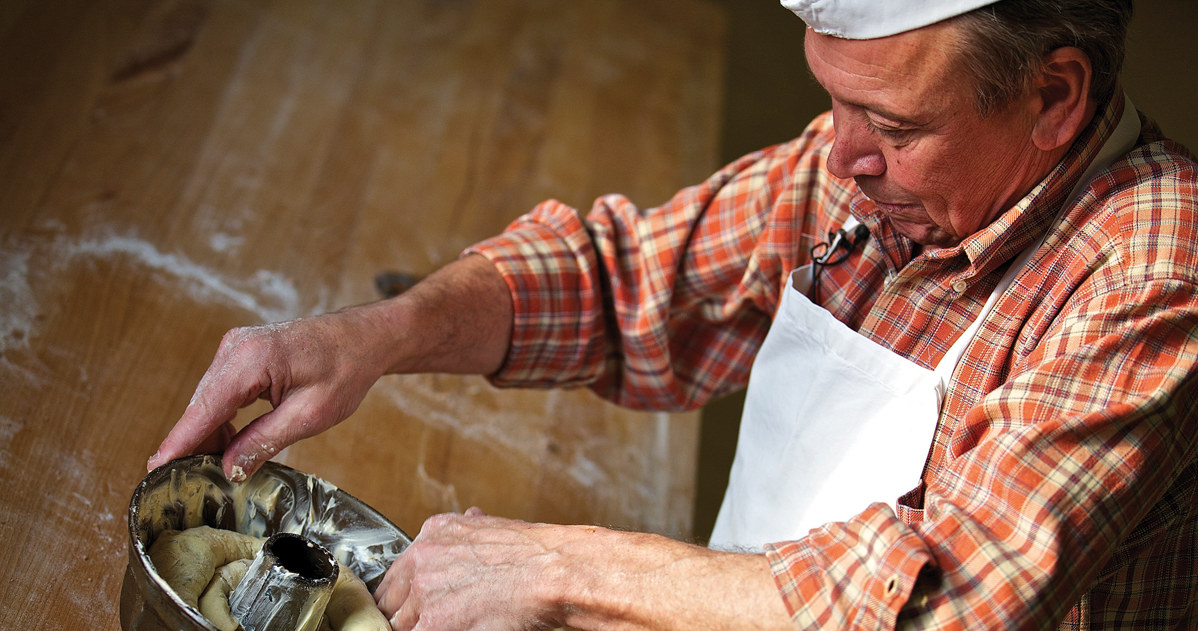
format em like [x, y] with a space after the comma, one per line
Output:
[287, 586]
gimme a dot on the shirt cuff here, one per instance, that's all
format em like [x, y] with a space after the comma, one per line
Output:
[557, 326]
[857, 574]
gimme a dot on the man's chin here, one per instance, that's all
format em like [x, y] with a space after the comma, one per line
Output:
[925, 235]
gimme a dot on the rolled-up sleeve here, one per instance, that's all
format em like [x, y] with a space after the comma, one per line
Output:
[660, 308]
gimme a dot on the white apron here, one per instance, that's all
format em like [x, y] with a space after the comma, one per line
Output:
[833, 421]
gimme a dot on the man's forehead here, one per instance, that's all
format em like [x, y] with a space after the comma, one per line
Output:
[870, 19]
[904, 77]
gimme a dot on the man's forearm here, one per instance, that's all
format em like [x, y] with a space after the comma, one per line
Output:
[315, 371]
[458, 320]
[473, 571]
[639, 581]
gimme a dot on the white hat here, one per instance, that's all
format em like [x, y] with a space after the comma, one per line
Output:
[867, 19]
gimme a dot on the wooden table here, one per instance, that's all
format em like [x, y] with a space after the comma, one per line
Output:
[174, 169]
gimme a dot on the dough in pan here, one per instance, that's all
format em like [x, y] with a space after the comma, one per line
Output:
[214, 602]
[204, 565]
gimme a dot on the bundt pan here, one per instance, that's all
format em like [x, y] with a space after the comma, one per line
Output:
[193, 491]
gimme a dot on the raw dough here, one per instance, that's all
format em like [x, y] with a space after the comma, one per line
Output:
[187, 559]
[351, 607]
[197, 562]
[214, 602]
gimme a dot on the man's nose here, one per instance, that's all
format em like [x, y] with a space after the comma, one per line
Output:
[855, 151]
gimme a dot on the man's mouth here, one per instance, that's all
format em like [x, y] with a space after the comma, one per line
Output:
[890, 207]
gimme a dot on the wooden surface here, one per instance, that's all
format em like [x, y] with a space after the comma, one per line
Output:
[174, 169]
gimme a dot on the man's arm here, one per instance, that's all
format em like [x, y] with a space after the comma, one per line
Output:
[571, 281]
[316, 371]
[477, 572]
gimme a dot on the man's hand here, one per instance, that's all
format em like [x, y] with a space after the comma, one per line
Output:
[462, 570]
[313, 371]
[477, 572]
[316, 371]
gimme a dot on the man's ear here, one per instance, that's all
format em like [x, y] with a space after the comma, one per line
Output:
[1065, 107]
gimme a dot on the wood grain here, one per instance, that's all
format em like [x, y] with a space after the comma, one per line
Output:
[172, 169]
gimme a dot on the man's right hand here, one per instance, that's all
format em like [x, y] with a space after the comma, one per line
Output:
[313, 371]
[316, 371]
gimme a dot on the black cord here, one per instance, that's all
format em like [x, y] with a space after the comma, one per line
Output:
[836, 250]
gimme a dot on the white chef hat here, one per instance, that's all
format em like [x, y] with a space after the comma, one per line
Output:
[867, 19]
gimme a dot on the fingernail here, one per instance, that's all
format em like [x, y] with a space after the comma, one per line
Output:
[237, 472]
[153, 463]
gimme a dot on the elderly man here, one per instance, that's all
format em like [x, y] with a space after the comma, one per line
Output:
[974, 407]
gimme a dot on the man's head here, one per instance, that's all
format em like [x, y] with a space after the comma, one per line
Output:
[947, 125]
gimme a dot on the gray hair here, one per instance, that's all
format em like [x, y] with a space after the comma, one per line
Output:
[1005, 43]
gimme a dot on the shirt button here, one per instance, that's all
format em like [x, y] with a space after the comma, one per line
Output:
[960, 286]
[892, 586]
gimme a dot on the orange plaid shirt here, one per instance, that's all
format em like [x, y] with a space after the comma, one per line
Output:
[1062, 483]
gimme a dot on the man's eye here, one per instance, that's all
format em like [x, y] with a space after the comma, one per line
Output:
[893, 134]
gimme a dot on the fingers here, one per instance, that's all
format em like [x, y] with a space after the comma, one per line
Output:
[392, 595]
[213, 443]
[425, 560]
[296, 417]
[203, 428]
[218, 440]
[237, 377]
[314, 372]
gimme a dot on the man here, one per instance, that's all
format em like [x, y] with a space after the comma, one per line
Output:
[1021, 299]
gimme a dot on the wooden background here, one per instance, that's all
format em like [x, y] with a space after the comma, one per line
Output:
[171, 169]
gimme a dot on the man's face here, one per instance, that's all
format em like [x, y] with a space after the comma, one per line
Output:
[907, 131]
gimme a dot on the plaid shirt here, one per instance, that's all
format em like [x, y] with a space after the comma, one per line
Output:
[1062, 482]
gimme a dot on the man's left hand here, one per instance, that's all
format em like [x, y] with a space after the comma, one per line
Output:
[473, 571]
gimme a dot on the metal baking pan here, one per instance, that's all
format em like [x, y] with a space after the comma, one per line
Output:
[193, 491]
